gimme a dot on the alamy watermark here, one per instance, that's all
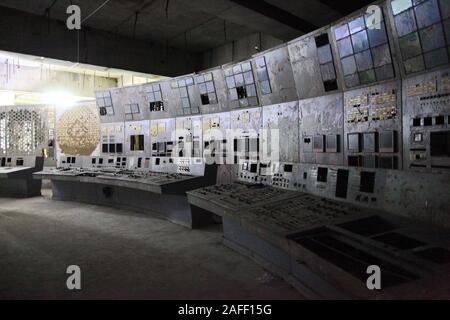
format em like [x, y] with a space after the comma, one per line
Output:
[73, 282]
[374, 280]
[73, 22]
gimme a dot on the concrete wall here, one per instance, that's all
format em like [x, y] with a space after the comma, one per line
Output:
[31, 34]
[238, 50]
[31, 79]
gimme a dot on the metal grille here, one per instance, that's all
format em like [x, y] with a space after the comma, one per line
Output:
[23, 130]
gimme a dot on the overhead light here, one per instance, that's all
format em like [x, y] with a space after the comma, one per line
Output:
[7, 98]
[60, 99]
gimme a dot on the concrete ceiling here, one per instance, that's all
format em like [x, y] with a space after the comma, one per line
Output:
[196, 25]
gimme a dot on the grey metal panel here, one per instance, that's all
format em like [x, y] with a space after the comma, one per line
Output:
[3, 130]
[245, 124]
[280, 76]
[184, 96]
[127, 98]
[112, 133]
[189, 129]
[375, 109]
[306, 67]
[371, 43]
[162, 131]
[189, 145]
[137, 128]
[169, 100]
[110, 99]
[213, 81]
[426, 110]
[284, 119]
[248, 119]
[420, 196]
[321, 118]
[215, 129]
[64, 161]
[241, 84]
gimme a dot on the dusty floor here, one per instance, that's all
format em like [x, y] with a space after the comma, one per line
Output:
[121, 255]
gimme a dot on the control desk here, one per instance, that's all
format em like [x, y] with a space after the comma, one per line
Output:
[297, 221]
[16, 176]
[121, 183]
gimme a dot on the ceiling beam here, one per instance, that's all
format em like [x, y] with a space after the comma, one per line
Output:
[345, 7]
[277, 14]
[31, 34]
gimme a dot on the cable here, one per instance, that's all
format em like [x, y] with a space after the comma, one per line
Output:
[135, 24]
[95, 11]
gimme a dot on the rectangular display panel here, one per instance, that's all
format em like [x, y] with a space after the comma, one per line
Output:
[364, 51]
[423, 33]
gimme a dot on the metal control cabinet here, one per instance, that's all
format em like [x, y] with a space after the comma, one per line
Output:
[373, 126]
[274, 76]
[137, 138]
[162, 141]
[280, 133]
[184, 96]
[212, 91]
[426, 122]
[421, 31]
[188, 151]
[314, 64]
[112, 138]
[363, 48]
[241, 85]
[159, 99]
[321, 130]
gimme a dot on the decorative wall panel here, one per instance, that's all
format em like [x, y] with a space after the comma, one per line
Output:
[78, 131]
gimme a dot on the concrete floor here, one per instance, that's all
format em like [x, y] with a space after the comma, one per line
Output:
[122, 255]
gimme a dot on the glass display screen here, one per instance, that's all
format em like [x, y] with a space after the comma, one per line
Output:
[405, 23]
[436, 58]
[366, 44]
[447, 30]
[364, 60]
[349, 65]
[377, 36]
[400, 5]
[427, 13]
[137, 143]
[324, 54]
[360, 41]
[353, 142]
[381, 55]
[432, 37]
[445, 8]
[351, 80]
[345, 47]
[367, 76]
[356, 25]
[387, 141]
[342, 32]
[328, 72]
[423, 37]
[410, 45]
[414, 65]
[385, 72]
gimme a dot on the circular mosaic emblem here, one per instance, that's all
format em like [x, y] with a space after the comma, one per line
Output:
[78, 131]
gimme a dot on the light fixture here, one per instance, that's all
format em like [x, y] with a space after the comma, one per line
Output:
[59, 99]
